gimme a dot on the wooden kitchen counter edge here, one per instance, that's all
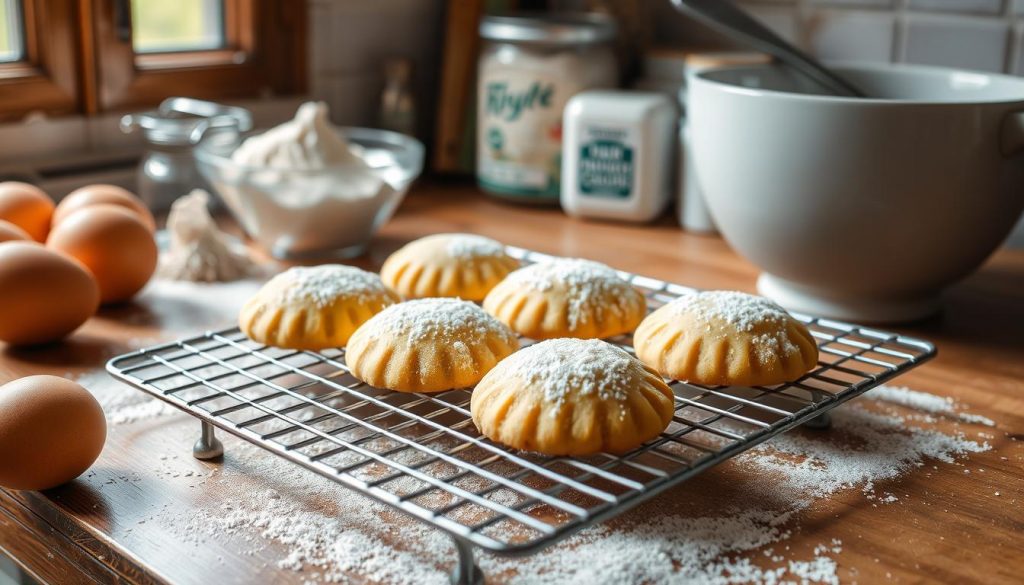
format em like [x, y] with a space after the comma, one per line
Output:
[980, 338]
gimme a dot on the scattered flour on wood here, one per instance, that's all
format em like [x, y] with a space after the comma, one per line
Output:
[177, 308]
[123, 404]
[182, 308]
[927, 403]
[330, 534]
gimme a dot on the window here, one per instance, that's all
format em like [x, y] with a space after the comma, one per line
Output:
[159, 26]
[11, 48]
[38, 63]
[59, 56]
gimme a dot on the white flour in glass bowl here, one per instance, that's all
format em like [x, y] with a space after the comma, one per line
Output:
[302, 188]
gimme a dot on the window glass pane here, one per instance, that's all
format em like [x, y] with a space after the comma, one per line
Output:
[11, 48]
[182, 25]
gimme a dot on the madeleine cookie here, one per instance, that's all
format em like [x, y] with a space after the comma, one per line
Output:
[566, 298]
[725, 338]
[428, 345]
[464, 266]
[572, 397]
[314, 308]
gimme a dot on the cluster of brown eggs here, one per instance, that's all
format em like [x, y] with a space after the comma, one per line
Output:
[59, 263]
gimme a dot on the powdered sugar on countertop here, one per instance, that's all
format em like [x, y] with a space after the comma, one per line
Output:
[329, 534]
[927, 403]
[437, 319]
[181, 308]
[177, 308]
[560, 366]
[473, 246]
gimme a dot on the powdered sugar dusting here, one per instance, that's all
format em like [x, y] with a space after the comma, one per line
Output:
[473, 246]
[730, 525]
[740, 310]
[559, 367]
[322, 285]
[590, 286]
[927, 403]
[438, 319]
[743, 313]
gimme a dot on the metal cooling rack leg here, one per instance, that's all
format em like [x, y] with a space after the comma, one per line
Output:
[208, 446]
[819, 423]
[466, 572]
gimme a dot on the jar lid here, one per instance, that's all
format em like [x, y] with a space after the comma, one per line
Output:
[180, 121]
[567, 28]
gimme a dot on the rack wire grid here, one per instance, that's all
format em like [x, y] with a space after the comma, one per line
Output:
[422, 454]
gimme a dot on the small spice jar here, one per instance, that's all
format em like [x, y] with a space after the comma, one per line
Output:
[529, 68]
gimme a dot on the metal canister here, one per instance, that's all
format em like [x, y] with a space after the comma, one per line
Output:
[167, 170]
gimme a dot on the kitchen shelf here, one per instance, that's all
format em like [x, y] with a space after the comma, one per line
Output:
[421, 453]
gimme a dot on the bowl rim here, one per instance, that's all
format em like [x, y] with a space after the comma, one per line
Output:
[702, 78]
[410, 149]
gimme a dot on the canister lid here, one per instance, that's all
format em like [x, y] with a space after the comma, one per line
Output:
[569, 28]
[180, 121]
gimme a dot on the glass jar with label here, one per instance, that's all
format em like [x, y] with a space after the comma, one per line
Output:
[529, 68]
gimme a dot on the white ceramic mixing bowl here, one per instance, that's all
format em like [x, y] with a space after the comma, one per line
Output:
[860, 209]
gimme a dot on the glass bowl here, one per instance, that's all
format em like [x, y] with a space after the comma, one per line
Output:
[321, 213]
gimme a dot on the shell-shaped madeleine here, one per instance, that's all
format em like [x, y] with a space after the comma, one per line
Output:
[572, 397]
[725, 338]
[314, 308]
[464, 266]
[428, 345]
[566, 298]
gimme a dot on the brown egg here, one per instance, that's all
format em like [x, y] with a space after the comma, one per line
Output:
[114, 244]
[98, 194]
[27, 207]
[51, 431]
[44, 296]
[12, 233]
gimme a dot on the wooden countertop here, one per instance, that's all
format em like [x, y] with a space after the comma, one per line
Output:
[949, 526]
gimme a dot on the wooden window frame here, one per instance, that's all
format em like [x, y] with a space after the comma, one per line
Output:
[47, 78]
[265, 54]
[76, 61]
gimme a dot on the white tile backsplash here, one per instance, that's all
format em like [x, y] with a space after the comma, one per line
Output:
[971, 34]
[856, 3]
[351, 40]
[966, 43]
[968, 6]
[783, 20]
[852, 36]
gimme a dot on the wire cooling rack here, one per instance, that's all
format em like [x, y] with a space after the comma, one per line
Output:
[422, 454]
